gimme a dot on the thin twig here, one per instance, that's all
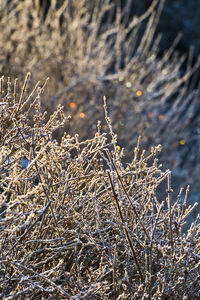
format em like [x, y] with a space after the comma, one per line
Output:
[169, 198]
[126, 230]
[127, 195]
[58, 288]
[30, 227]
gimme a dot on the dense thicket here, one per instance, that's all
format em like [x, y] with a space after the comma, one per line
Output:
[77, 224]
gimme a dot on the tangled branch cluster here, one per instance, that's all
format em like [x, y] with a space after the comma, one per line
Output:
[95, 48]
[76, 223]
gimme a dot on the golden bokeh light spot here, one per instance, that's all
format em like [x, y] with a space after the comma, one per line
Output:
[82, 115]
[182, 142]
[72, 104]
[139, 93]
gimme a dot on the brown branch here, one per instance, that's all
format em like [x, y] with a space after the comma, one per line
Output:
[126, 229]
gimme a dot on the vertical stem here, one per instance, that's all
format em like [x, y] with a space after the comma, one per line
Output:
[169, 197]
[133, 207]
[126, 230]
[1, 87]
[114, 271]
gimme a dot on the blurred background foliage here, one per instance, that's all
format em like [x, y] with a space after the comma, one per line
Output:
[131, 52]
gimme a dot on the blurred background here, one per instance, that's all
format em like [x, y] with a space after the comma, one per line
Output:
[142, 55]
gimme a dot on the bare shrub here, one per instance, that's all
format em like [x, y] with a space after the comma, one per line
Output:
[75, 223]
[92, 48]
